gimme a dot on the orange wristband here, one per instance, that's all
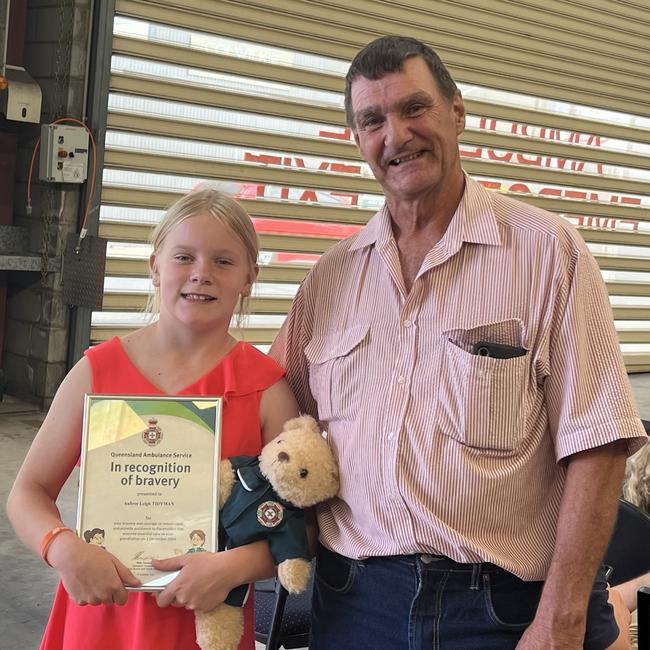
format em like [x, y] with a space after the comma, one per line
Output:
[49, 538]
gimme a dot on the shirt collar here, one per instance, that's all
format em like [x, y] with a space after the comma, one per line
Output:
[251, 477]
[377, 230]
[474, 221]
[475, 215]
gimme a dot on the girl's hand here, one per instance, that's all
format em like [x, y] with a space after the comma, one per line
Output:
[204, 581]
[90, 574]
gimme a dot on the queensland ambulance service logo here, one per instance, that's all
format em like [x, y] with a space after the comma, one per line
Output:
[270, 514]
[152, 435]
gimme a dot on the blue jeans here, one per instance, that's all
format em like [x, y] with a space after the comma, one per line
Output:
[413, 602]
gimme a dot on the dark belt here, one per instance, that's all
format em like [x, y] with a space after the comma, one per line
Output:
[438, 562]
[428, 562]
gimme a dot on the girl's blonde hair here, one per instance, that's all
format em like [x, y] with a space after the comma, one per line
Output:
[637, 486]
[208, 200]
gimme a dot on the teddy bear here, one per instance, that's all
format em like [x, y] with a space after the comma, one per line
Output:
[263, 498]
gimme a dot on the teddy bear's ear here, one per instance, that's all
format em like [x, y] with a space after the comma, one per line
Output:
[304, 423]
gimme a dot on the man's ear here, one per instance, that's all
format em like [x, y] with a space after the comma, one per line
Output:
[458, 107]
[153, 267]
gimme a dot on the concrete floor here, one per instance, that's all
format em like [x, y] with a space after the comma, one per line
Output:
[27, 585]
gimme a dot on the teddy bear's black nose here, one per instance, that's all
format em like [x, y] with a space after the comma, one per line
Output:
[303, 473]
[283, 456]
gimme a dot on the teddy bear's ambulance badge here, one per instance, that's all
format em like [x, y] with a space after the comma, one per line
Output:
[270, 514]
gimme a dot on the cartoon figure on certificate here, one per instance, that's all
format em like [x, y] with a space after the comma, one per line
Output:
[197, 537]
[95, 536]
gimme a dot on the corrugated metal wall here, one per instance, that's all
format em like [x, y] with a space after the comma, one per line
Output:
[249, 94]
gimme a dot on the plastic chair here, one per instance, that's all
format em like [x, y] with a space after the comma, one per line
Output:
[627, 552]
[282, 620]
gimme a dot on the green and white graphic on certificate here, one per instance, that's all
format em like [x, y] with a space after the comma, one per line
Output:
[149, 477]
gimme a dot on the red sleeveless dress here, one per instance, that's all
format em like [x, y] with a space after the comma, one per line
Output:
[240, 378]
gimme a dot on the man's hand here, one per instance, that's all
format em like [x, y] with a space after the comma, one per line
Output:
[542, 636]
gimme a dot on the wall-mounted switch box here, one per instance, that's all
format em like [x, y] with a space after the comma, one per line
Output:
[64, 154]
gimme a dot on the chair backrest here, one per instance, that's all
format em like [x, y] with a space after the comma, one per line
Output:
[282, 620]
[628, 552]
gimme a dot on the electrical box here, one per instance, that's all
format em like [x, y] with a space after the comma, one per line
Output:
[20, 95]
[64, 154]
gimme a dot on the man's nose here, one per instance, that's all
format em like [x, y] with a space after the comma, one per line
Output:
[397, 131]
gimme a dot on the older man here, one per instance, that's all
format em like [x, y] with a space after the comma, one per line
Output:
[461, 354]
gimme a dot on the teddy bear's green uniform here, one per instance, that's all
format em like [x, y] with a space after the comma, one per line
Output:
[253, 512]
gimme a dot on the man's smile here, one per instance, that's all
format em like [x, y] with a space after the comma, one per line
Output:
[405, 158]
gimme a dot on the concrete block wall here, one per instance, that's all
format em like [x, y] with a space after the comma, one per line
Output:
[37, 321]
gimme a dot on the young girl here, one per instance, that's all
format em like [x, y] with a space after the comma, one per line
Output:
[203, 264]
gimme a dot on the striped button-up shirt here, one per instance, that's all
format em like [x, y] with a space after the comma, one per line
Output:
[442, 450]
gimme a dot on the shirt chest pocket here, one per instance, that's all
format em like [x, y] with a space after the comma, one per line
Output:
[336, 366]
[482, 399]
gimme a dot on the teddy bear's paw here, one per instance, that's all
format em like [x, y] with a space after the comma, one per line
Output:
[220, 629]
[294, 575]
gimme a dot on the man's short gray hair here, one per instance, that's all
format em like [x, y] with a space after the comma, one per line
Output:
[387, 54]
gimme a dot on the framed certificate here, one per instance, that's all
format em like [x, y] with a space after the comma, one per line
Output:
[149, 478]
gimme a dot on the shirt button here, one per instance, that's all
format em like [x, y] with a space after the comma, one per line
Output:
[390, 435]
[401, 380]
[407, 323]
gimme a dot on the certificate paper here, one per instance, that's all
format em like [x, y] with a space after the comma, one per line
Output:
[149, 477]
